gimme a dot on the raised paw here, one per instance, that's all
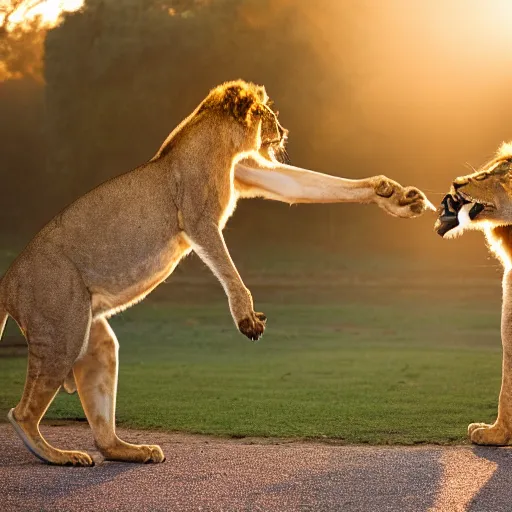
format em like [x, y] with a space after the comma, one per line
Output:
[400, 201]
[484, 434]
[253, 326]
[413, 198]
[384, 187]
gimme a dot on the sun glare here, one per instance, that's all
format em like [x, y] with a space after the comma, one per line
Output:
[49, 11]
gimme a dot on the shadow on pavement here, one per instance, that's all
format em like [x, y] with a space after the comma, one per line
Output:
[496, 494]
[359, 480]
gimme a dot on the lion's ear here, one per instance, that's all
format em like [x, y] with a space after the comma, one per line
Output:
[262, 93]
[505, 150]
[239, 103]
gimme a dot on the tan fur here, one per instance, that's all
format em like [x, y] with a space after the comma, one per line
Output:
[111, 247]
[257, 177]
[492, 186]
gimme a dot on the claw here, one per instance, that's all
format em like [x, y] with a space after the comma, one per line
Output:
[429, 205]
[253, 326]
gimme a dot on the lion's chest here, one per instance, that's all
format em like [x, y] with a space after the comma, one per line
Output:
[500, 246]
[229, 207]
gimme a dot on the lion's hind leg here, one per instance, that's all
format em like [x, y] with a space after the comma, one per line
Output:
[55, 336]
[96, 380]
[500, 432]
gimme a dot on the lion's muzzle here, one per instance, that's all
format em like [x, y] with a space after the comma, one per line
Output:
[449, 211]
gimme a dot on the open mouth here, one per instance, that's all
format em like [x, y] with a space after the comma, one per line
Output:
[450, 208]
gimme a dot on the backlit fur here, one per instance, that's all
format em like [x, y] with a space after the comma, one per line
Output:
[492, 186]
[115, 244]
[111, 247]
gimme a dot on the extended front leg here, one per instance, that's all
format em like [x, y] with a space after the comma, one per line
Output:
[207, 241]
[257, 177]
[500, 432]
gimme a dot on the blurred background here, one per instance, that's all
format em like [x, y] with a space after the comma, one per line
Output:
[414, 90]
[379, 331]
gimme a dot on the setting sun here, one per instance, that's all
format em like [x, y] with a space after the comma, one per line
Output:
[49, 11]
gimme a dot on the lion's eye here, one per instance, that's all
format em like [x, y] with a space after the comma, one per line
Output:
[481, 177]
[502, 168]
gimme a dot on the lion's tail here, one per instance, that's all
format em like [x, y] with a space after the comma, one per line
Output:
[3, 320]
[3, 313]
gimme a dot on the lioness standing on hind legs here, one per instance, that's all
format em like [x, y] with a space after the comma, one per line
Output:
[483, 201]
[111, 247]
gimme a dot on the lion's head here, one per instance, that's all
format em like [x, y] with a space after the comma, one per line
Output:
[249, 106]
[480, 200]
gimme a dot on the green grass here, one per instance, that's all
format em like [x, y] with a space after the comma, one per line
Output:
[364, 362]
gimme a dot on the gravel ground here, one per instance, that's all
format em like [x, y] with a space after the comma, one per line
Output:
[209, 474]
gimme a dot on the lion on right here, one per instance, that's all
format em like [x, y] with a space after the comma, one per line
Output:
[483, 201]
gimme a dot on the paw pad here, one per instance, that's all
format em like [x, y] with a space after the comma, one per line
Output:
[254, 326]
[384, 189]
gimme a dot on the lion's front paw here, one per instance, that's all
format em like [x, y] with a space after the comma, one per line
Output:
[384, 187]
[415, 200]
[400, 201]
[253, 326]
[482, 433]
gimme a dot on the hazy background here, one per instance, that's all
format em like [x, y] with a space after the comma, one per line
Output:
[415, 90]
[379, 331]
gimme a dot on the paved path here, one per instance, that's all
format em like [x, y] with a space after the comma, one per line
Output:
[208, 474]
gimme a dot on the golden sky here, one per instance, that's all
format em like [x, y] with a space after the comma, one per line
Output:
[49, 10]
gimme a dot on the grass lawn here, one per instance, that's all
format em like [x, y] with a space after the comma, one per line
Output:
[362, 359]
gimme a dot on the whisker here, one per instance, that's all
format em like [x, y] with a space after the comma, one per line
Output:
[286, 156]
[467, 164]
[281, 155]
[433, 191]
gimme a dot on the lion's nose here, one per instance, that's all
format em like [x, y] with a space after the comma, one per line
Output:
[458, 184]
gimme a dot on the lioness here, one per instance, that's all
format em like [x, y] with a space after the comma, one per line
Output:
[482, 200]
[111, 247]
